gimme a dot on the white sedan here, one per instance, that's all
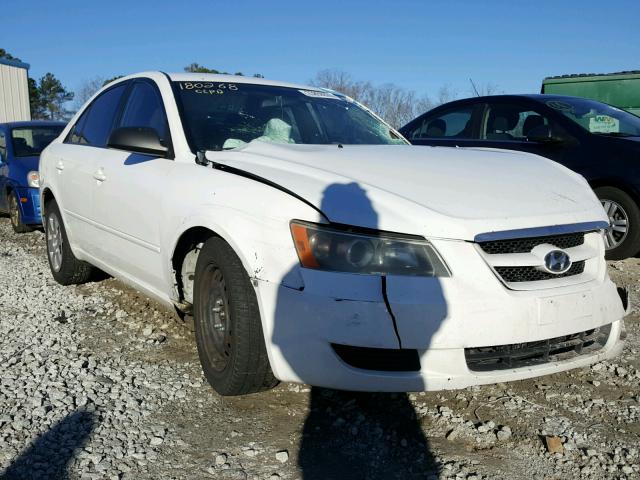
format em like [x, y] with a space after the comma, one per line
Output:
[312, 244]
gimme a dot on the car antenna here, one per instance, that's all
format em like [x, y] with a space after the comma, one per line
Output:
[474, 88]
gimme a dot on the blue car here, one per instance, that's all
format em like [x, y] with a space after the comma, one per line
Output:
[20, 147]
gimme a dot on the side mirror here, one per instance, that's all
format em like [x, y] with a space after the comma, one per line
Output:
[544, 134]
[137, 139]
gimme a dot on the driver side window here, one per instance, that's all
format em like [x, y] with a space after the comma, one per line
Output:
[450, 124]
[144, 108]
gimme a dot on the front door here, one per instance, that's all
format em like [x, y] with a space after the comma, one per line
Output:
[130, 195]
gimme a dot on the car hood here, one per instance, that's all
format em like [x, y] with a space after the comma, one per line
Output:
[20, 166]
[435, 191]
[29, 163]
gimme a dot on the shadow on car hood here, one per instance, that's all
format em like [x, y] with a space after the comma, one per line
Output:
[443, 192]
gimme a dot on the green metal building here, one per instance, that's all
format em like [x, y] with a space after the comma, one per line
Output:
[621, 89]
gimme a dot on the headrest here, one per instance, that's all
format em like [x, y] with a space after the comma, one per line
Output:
[503, 120]
[436, 128]
[531, 122]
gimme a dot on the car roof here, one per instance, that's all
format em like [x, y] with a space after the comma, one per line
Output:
[211, 77]
[34, 123]
[539, 97]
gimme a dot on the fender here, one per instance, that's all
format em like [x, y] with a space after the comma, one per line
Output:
[260, 236]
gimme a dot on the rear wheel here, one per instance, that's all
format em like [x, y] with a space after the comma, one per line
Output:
[227, 322]
[15, 215]
[65, 267]
[622, 238]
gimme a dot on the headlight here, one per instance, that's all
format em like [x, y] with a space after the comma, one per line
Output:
[377, 253]
[33, 179]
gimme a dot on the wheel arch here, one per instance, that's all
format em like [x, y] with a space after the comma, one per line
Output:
[619, 184]
[46, 196]
[188, 241]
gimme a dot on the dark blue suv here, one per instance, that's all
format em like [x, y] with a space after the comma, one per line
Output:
[20, 147]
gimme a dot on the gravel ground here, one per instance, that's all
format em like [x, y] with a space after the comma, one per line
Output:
[97, 381]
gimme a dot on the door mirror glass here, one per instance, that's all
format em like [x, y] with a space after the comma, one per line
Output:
[543, 134]
[139, 140]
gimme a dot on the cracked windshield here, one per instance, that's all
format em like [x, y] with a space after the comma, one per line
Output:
[224, 116]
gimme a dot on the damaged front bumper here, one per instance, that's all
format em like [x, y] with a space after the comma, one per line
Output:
[357, 332]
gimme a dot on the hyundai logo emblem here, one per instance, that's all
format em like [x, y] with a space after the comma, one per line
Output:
[557, 262]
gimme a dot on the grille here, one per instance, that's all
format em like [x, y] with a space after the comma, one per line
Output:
[525, 245]
[532, 274]
[503, 357]
[381, 359]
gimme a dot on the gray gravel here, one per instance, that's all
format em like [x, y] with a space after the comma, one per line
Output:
[97, 381]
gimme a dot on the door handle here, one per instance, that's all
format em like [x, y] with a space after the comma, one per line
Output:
[99, 175]
[60, 166]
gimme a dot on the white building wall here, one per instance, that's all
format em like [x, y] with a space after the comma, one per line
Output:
[14, 94]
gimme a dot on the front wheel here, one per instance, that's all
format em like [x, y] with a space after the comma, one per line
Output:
[15, 215]
[622, 238]
[65, 267]
[227, 322]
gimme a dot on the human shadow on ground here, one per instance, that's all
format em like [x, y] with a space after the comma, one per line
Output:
[50, 455]
[350, 435]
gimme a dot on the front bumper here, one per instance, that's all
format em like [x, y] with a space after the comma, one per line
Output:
[438, 318]
[29, 204]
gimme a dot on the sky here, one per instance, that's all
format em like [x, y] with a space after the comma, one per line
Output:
[417, 45]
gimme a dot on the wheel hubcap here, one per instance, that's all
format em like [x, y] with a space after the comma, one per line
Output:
[54, 242]
[216, 323]
[618, 224]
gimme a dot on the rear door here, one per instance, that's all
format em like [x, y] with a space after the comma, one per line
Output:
[506, 124]
[129, 198]
[76, 163]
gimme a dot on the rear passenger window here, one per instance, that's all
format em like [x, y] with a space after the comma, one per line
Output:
[95, 125]
[452, 124]
[144, 109]
[510, 122]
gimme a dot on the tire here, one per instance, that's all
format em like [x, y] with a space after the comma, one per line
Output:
[227, 323]
[15, 215]
[65, 267]
[623, 212]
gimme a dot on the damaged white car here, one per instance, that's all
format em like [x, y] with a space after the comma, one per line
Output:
[312, 244]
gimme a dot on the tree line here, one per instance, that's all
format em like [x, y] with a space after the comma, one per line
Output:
[397, 105]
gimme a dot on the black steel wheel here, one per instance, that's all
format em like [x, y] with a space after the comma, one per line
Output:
[227, 323]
